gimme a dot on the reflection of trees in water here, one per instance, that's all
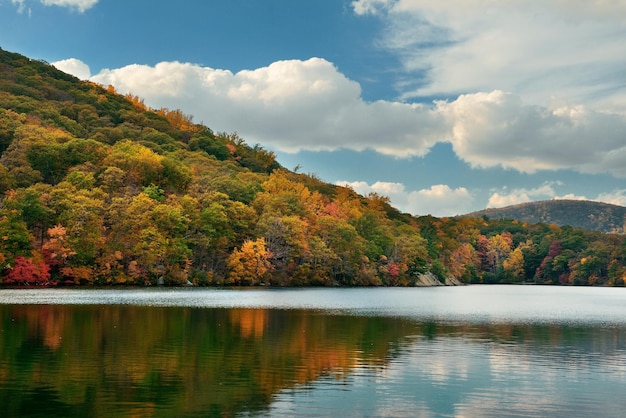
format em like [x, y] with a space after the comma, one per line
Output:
[213, 361]
[184, 361]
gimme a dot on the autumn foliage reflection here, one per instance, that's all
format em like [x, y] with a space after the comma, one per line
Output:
[180, 358]
[139, 361]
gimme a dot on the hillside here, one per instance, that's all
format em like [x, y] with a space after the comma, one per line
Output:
[594, 216]
[98, 189]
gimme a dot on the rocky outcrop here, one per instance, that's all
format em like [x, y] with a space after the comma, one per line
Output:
[429, 279]
[453, 281]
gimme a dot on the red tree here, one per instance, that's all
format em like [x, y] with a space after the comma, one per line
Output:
[29, 272]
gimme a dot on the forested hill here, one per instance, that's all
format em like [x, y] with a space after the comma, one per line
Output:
[595, 216]
[97, 188]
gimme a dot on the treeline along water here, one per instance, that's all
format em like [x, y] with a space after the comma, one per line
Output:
[315, 352]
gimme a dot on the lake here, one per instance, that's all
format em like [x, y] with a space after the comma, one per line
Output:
[471, 351]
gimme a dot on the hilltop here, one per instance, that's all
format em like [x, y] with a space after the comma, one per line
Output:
[594, 216]
[96, 188]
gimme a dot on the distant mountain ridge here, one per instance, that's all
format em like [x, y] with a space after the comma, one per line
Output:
[593, 216]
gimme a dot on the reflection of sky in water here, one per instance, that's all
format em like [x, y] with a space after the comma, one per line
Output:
[546, 304]
[461, 377]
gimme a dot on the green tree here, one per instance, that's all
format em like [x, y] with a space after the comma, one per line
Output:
[15, 238]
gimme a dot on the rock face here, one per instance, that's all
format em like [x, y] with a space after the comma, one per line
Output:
[429, 279]
[453, 281]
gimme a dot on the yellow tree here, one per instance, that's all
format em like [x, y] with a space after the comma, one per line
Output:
[282, 196]
[514, 263]
[141, 165]
[500, 248]
[179, 120]
[250, 264]
[345, 205]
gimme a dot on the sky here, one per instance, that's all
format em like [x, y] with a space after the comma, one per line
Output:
[446, 107]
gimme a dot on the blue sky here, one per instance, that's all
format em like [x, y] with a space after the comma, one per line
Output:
[445, 107]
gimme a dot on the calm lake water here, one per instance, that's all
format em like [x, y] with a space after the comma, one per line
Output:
[474, 351]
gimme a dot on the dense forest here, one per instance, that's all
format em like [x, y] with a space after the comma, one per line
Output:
[98, 188]
[595, 216]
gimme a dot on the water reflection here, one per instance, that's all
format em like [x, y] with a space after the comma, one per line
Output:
[123, 361]
[130, 360]
[465, 371]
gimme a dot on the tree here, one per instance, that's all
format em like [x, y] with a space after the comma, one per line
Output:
[141, 165]
[513, 265]
[56, 249]
[29, 271]
[81, 212]
[282, 196]
[179, 120]
[408, 253]
[346, 245]
[32, 207]
[378, 237]
[58, 255]
[249, 265]
[15, 238]
[112, 180]
[545, 272]
[463, 263]
[319, 269]
[500, 245]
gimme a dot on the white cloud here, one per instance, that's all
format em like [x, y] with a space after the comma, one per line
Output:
[616, 197]
[370, 7]
[80, 5]
[498, 129]
[439, 200]
[546, 191]
[20, 5]
[75, 67]
[572, 50]
[499, 201]
[309, 105]
[521, 195]
[288, 105]
[571, 196]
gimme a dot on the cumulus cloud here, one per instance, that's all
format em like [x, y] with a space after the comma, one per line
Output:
[79, 5]
[498, 129]
[616, 197]
[507, 197]
[572, 196]
[75, 67]
[573, 50]
[309, 105]
[546, 191]
[439, 200]
[289, 105]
